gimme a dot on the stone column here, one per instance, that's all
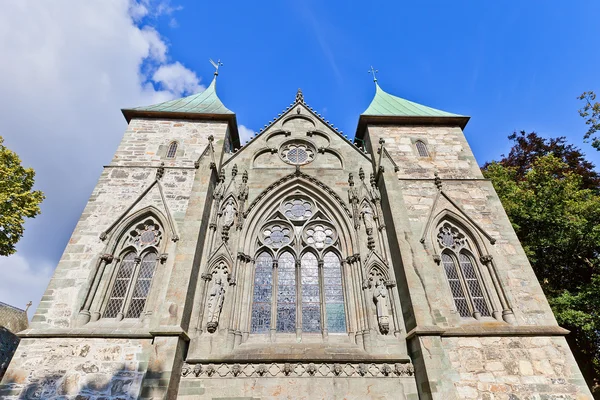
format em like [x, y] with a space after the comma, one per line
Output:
[85, 315]
[507, 313]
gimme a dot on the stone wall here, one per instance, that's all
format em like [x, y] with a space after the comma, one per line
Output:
[63, 368]
[514, 368]
[132, 171]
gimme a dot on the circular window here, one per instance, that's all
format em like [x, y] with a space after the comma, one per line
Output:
[298, 209]
[320, 235]
[277, 235]
[297, 152]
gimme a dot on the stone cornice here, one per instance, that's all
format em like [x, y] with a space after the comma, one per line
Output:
[486, 330]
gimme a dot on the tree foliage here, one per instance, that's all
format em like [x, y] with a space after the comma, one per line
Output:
[553, 203]
[591, 113]
[528, 147]
[17, 199]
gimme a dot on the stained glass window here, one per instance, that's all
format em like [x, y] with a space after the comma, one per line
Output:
[311, 300]
[263, 288]
[286, 293]
[142, 286]
[298, 209]
[421, 149]
[320, 235]
[172, 150]
[334, 296]
[455, 286]
[277, 235]
[119, 290]
[473, 285]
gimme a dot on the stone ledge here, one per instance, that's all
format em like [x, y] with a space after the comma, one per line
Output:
[484, 330]
[124, 333]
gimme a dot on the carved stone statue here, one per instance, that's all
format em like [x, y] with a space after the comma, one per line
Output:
[367, 216]
[229, 214]
[216, 297]
[380, 297]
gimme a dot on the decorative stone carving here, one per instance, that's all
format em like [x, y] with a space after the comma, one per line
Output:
[367, 216]
[297, 152]
[304, 370]
[160, 171]
[380, 296]
[216, 296]
[449, 236]
[147, 233]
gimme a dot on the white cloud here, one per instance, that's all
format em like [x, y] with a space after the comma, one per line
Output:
[21, 283]
[245, 133]
[177, 78]
[67, 68]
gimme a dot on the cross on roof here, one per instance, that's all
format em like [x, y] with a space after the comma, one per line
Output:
[373, 71]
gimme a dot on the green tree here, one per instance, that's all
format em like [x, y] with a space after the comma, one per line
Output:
[17, 199]
[557, 219]
[591, 113]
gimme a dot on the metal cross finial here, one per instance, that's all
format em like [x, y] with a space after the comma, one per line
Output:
[216, 65]
[373, 71]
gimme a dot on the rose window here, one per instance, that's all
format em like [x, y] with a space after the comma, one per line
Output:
[145, 234]
[277, 235]
[450, 237]
[298, 209]
[297, 153]
[320, 235]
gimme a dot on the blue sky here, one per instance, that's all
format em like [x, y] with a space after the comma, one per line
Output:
[68, 67]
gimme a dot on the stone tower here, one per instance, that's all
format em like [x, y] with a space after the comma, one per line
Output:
[300, 265]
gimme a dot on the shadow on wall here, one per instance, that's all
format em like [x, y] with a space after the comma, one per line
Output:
[85, 383]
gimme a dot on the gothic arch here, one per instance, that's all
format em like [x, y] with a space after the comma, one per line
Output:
[333, 208]
[120, 230]
[474, 233]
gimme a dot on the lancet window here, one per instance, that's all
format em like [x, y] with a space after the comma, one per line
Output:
[134, 271]
[462, 272]
[298, 282]
[421, 149]
[172, 150]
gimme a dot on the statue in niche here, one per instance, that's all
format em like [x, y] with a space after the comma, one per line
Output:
[216, 296]
[229, 212]
[367, 216]
[380, 297]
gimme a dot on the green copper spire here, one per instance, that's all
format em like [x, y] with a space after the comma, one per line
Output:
[384, 104]
[206, 102]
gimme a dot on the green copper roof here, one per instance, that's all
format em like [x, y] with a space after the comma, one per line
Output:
[206, 102]
[384, 104]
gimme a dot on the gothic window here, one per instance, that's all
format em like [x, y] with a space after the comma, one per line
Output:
[462, 273]
[421, 149]
[134, 273]
[334, 295]
[286, 293]
[172, 150]
[297, 152]
[303, 285]
[263, 285]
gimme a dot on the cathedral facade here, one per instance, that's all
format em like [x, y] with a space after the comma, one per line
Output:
[300, 265]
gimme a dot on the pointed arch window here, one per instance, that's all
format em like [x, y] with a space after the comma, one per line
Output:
[172, 150]
[421, 149]
[132, 277]
[302, 288]
[462, 273]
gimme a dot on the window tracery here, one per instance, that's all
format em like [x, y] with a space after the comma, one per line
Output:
[297, 152]
[131, 286]
[461, 273]
[305, 281]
